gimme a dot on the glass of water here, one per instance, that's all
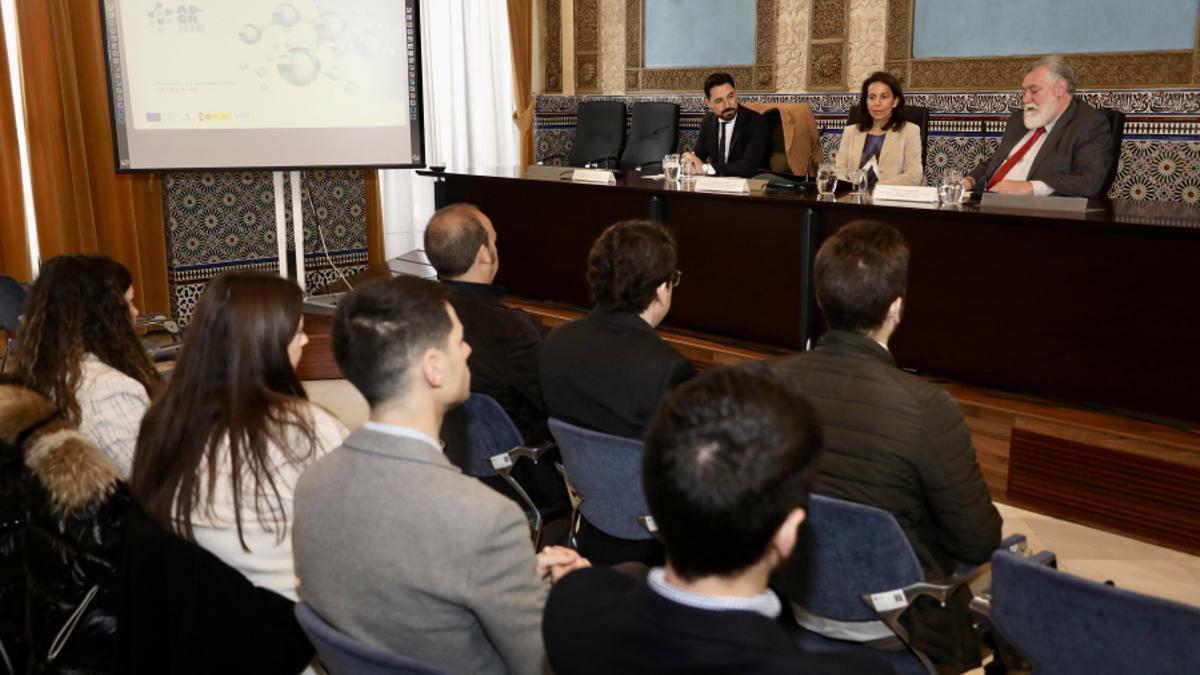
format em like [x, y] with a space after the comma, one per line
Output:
[687, 172]
[826, 179]
[670, 165]
[858, 178]
[951, 189]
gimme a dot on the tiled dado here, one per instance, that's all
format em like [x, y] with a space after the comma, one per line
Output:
[222, 221]
[1160, 155]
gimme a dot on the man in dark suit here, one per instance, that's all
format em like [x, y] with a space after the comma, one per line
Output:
[733, 140]
[608, 370]
[1055, 145]
[461, 244]
[729, 459]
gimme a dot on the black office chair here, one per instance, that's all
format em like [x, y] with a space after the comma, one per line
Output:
[918, 115]
[1116, 120]
[653, 132]
[599, 134]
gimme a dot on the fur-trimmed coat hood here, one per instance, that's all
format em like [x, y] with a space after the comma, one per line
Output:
[62, 504]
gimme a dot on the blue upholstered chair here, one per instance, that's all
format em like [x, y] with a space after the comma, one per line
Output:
[605, 472]
[860, 576]
[1048, 621]
[343, 655]
[482, 440]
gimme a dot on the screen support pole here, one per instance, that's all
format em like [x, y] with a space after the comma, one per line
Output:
[280, 224]
[298, 227]
[297, 263]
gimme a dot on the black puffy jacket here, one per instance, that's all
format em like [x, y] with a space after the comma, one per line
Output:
[61, 507]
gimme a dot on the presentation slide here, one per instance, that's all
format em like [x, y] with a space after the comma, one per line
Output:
[262, 83]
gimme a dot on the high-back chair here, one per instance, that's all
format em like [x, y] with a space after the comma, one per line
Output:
[606, 473]
[343, 655]
[1054, 622]
[482, 440]
[12, 297]
[599, 134]
[855, 577]
[1116, 122]
[653, 132]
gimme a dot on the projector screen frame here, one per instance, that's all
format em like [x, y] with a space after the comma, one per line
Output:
[417, 126]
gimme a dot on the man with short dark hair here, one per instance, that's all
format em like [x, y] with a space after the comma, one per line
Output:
[893, 440]
[460, 242]
[728, 464]
[393, 545]
[733, 140]
[1055, 145]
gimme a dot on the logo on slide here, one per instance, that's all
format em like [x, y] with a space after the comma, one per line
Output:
[185, 17]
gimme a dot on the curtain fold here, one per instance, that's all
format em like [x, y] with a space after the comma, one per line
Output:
[374, 216]
[83, 205]
[520, 32]
[14, 244]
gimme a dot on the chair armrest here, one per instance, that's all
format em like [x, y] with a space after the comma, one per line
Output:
[503, 463]
[1016, 543]
[167, 323]
[651, 526]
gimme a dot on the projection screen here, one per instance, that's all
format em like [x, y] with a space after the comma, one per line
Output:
[224, 84]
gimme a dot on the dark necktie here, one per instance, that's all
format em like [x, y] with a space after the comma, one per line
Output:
[1008, 165]
[721, 145]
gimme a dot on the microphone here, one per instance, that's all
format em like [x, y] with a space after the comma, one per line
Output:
[625, 146]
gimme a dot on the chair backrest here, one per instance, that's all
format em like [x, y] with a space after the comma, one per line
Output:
[653, 132]
[343, 655]
[918, 115]
[848, 549]
[476, 430]
[1067, 625]
[1116, 121]
[12, 296]
[606, 471]
[599, 133]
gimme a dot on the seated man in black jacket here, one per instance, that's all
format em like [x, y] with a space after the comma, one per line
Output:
[892, 440]
[733, 140]
[729, 459]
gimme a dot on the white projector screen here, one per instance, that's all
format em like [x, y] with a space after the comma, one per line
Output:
[265, 84]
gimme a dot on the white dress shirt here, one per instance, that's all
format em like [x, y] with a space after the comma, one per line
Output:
[728, 126]
[1020, 170]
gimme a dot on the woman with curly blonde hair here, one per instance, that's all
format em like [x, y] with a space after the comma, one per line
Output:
[77, 347]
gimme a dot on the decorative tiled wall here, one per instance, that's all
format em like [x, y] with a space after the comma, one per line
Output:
[1160, 155]
[224, 221]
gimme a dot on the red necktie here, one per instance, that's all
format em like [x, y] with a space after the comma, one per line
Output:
[1004, 168]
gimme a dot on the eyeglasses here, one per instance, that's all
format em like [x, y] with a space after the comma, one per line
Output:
[675, 278]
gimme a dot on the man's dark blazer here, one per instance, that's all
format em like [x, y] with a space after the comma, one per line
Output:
[1074, 159]
[749, 147]
[601, 621]
[505, 342]
[607, 372]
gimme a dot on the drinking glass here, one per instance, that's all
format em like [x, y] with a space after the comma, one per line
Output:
[687, 172]
[826, 179]
[670, 165]
[858, 178]
[951, 189]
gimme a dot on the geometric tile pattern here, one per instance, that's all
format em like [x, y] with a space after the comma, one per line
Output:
[1160, 155]
[225, 220]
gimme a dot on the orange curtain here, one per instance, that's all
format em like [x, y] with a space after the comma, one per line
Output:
[14, 245]
[520, 30]
[83, 205]
[374, 215]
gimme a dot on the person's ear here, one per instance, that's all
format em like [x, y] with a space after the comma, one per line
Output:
[785, 538]
[896, 310]
[433, 367]
[483, 256]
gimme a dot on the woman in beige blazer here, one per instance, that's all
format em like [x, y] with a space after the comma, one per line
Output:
[899, 158]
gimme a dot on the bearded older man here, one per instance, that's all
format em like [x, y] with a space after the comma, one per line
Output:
[1056, 145]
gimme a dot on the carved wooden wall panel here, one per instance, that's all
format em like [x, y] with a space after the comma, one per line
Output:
[552, 39]
[827, 44]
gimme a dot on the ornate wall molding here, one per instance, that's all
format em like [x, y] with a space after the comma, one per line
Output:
[552, 41]
[759, 77]
[1098, 69]
[587, 46]
[829, 23]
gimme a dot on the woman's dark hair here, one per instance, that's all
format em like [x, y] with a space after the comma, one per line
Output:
[76, 306]
[864, 115]
[232, 382]
[628, 262]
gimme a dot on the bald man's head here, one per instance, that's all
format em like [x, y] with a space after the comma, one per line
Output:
[460, 241]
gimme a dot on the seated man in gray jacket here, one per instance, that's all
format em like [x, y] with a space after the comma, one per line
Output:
[394, 546]
[892, 440]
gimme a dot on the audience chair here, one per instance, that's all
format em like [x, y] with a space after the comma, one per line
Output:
[482, 440]
[918, 115]
[1048, 621]
[1116, 121]
[653, 132]
[606, 473]
[599, 134]
[856, 576]
[12, 297]
[343, 655]
[160, 352]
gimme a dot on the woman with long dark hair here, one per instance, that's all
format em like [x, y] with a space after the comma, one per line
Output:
[882, 142]
[78, 348]
[221, 450]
